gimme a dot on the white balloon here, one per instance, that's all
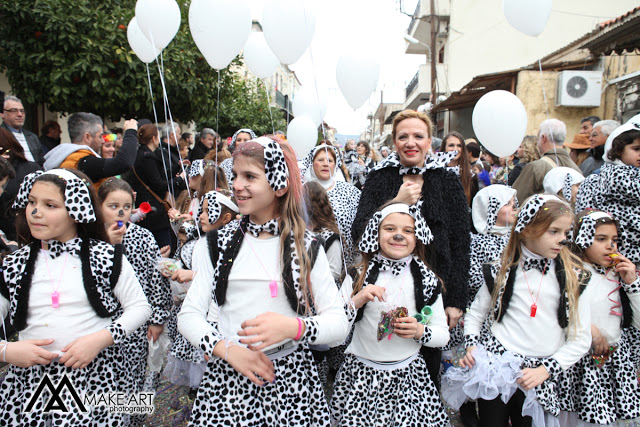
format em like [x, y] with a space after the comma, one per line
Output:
[528, 17]
[258, 57]
[357, 75]
[500, 122]
[220, 29]
[159, 20]
[288, 27]
[140, 45]
[310, 102]
[302, 134]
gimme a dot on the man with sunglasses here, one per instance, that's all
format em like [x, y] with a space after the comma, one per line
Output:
[13, 120]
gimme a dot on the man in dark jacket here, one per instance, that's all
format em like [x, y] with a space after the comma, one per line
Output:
[50, 137]
[13, 120]
[208, 138]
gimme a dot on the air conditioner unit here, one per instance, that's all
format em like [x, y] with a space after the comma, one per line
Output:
[579, 89]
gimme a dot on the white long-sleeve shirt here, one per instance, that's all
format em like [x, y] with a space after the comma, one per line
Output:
[248, 294]
[75, 317]
[539, 336]
[400, 293]
[599, 289]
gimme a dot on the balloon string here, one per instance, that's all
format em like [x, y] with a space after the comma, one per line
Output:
[266, 91]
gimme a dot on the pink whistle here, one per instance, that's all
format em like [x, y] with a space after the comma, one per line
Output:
[273, 287]
[55, 299]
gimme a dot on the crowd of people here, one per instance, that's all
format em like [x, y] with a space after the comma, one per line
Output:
[260, 277]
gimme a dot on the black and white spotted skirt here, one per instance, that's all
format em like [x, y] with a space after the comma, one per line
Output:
[102, 375]
[632, 336]
[494, 374]
[367, 396]
[601, 395]
[226, 397]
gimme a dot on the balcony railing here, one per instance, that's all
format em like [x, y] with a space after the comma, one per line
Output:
[412, 85]
[414, 18]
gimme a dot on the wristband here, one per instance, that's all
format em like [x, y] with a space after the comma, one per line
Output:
[4, 350]
[299, 329]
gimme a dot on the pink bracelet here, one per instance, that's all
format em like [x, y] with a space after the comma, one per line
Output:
[299, 329]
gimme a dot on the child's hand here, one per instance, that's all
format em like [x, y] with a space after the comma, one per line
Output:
[116, 233]
[453, 316]
[408, 327]
[468, 361]
[626, 269]
[409, 193]
[533, 377]
[173, 213]
[248, 362]
[154, 331]
[81, 352]
[599, 343]
[165, 251]
[27, 353]
[368, 294]
[182, 276]
[267, 329]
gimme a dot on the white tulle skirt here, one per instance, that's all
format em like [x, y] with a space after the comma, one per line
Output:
[494, 375]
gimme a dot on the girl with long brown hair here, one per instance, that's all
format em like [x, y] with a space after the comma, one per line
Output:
[538, 323]
[266, 285]
[460, 165]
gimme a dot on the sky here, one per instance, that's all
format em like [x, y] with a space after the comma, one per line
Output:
[373, 26]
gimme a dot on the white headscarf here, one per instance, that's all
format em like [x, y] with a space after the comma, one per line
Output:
[632, 124]
[486, 204]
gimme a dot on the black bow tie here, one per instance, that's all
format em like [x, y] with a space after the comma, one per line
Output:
[56, 248]
[396, 267]
[270, 227]
[542, 265]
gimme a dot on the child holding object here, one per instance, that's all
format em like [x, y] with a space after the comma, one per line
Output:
[384, 379]
[539, 323]
[73, 299]
[273, 295]
[602, 388]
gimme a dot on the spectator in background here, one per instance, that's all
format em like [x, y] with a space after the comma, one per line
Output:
[208, 139]
[50, 137]
[473, 153]
[586, 124]
[85, 132]
[108, 148]
[183, 146]
[460, 165]
[12, 151]
[188, 136]
[384, 152]
[527, 152]
[119, 132]
[436, 143]
[149, 182]
[13, 119]
[168, 154]
[551, 136]
[579, 147]
[597, 139]
[494, 165]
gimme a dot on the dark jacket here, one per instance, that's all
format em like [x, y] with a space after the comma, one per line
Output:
[47, 143]
[7, 219]
[33, 142]
[445, 211]
[150, 171]
[169, 160]
[199, 151]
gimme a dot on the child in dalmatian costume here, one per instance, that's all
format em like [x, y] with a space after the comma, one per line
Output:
[602, 388]
[185, 362]
[385, 381]
[73, 299]
[140, 248]
[617, 188]
[267, 287]
[538, 323]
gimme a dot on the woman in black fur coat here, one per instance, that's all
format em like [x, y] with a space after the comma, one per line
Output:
[410, 175]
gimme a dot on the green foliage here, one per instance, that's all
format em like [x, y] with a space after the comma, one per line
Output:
[73, 55]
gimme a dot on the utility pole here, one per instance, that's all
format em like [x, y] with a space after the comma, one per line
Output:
[434, 34]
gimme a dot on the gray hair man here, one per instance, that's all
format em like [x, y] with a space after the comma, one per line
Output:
[207, 141]
[599, 134]
[551, 136]
[85, 131]
[13, 118]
